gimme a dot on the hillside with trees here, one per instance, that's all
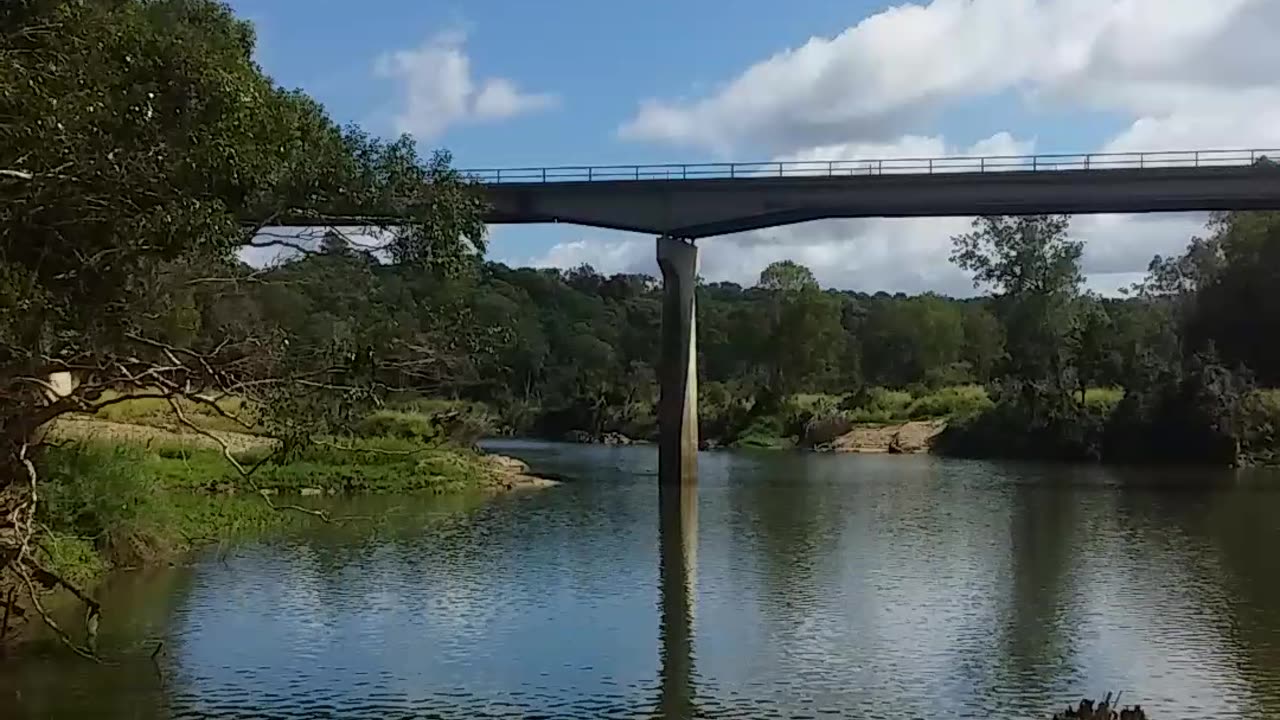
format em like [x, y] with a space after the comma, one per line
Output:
[1034, 366]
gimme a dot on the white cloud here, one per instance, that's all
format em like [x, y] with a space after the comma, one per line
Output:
[902, 66]
[439, 90]
[499, 99]
[1184, 74]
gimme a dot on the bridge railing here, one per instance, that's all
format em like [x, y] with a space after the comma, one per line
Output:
[877, 166]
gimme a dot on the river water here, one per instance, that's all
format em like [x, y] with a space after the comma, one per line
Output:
[803, 586]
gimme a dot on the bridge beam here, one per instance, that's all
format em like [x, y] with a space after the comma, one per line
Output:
[678, 368]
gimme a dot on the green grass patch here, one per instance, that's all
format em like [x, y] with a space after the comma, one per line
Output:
[156, 412]
[958, 400]
[349, 466]
[877, 405]
[107, 505]
[1103, 400]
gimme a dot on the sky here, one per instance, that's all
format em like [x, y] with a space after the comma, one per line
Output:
[508, 83]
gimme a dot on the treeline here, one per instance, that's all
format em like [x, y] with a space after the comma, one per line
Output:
[551, 352]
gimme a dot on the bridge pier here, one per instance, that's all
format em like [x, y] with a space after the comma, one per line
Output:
[678, 368]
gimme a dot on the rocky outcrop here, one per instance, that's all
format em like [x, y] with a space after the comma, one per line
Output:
[586, 438]
[512, 473]
[907, 438]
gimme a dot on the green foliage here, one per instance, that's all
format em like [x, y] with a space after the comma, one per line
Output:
[1103, 400]
[1261, 441]
[408, 426]
[114, 500]
[766, 431]
[914, 340]
[112, 505]
[877, 405]
[1022, 421]
[961, 401]
[157, 412]
[799, 330]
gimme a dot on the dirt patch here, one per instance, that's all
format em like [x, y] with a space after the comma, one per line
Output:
[82, 428]
[904, 438]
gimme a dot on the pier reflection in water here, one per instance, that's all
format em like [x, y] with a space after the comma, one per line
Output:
[677, 571]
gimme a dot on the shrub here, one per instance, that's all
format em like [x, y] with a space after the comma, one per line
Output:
[1024, 422]
[764, 431]
[1261, 442]
[404, 425]
[963, 400]
[1103, 400]
[89, 490]
[876, 405]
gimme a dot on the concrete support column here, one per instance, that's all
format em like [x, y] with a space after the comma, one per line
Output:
[678, 369]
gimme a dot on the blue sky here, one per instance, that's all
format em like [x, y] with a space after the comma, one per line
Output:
[507, 83]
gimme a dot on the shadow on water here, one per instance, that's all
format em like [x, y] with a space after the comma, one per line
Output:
[47, 681]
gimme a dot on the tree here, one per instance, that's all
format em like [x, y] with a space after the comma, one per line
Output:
[787, 276]
[983, 341]
[802, 328]
[913, 340]
[1095, 348]
[142, 148]
[1033, 268]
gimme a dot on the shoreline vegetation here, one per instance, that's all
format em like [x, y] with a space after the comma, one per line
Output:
[1177, 369]
[130, 487]
[956, 421]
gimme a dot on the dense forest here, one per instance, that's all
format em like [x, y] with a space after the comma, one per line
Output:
[1175, 364]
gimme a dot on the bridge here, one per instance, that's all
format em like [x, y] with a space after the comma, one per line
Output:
[681, 203]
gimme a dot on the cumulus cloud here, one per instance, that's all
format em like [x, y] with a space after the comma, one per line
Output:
[1182, 74]
[439, 90]
[900, 67]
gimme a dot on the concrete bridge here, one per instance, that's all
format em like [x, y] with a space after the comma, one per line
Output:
[681, 203]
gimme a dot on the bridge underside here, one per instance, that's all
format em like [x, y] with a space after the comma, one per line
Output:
[707, 207]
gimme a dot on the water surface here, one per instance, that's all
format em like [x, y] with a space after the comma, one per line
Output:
[802, 586]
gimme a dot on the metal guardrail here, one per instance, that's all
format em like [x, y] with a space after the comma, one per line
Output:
[887, 166]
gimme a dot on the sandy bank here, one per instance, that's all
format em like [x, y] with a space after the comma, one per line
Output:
[903, 438]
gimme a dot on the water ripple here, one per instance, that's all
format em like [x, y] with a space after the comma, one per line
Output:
[822, 587]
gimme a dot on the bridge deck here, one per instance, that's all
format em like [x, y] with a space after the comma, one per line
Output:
[693, 201]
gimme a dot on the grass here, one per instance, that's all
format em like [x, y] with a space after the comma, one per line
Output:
[156, 412]
[358, 465]
[116, 505]
[949, 402]
[108, 506]
[122, 500]
[1103, 400]
[881, 406]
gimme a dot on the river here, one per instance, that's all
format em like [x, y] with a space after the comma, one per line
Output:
[805, 586]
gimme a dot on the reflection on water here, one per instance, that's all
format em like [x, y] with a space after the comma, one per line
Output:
[788, 585]
[677, 573]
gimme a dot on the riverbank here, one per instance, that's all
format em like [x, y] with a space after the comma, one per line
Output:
[1195, 425]
[116, 495]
